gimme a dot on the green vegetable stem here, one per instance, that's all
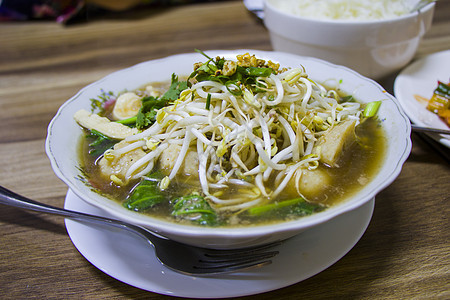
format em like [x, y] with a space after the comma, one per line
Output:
[371, 109]
[298, 206]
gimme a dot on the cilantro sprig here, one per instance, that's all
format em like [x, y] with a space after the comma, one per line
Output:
[150, 105]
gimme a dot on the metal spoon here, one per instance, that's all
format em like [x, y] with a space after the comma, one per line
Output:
[179, 257]
[429, 129]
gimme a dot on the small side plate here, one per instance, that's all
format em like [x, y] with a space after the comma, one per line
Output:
[420, 79]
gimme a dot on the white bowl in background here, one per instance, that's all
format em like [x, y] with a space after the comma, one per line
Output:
[64, 135]
[373, 48]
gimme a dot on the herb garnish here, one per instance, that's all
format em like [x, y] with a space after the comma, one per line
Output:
[234, 80]
[150, 105]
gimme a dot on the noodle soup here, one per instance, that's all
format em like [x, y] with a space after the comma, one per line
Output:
[237, 143]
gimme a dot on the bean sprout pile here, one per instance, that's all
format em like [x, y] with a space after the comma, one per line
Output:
[246, 135]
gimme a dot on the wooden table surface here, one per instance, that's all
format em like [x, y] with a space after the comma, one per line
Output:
[404, 254]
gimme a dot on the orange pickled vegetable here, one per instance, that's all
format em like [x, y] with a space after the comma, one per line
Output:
[440, 102]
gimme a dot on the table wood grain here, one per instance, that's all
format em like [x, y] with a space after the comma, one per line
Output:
[404, 253]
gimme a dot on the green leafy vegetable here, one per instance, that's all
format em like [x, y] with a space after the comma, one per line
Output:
[146, 194]
[195, 208]
[147, 114]
[176, 87]
[150, 105]
[211, 70]
[99, 143]
[298, 206]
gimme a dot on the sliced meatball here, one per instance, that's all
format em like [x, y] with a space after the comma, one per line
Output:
[169, 156]
[312, 183]
[336, 141]
[116, 168]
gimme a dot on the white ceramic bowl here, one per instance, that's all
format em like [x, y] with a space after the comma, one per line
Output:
[64, 134]
[373, 48]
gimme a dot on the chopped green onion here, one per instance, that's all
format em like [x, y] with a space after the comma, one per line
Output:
[208, 101]
[233, 88]
[259, 71]
[259, 210]
[371, 109]
[128, 121]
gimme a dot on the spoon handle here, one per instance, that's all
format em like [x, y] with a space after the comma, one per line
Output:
[428, 129]
[10, 198]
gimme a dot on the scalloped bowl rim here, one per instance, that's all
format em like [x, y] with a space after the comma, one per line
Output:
[54, 147]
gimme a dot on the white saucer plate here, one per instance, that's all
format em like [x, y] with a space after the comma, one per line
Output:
[130, 259]
[420, 78]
